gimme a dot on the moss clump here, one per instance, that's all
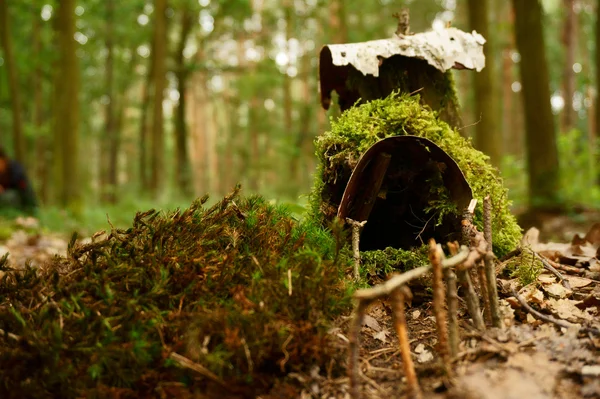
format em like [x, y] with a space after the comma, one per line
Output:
[210, 284]
[360, 127]
[391, 259]
[526, 267]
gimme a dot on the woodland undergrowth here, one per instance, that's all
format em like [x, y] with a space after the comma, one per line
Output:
[240, 290]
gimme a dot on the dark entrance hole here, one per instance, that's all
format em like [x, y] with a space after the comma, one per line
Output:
[399, 201]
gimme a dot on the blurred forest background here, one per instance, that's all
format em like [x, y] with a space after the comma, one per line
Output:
[116, 106]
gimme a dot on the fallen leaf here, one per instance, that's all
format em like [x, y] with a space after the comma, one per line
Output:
[416, 314]
[557, 290]
[547, 279]
[419, 348]
[532, 320]
[593, 235]
[566, 309]
[590, 301]
[578, 282]
[425, 357]
[531, 237]
[532, 294]
[381, 335]
[507, 313]
[370, 322]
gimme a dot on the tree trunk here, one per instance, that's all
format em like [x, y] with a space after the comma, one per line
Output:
[182, 162]
[488, 137]
[597, 119]
[337, 22]
[66, 112]
[13, 82]
[143, 132]
[108, 175]
[569, 39]
[41, 143]
[157, 145]
[542, 157]
[288, 104]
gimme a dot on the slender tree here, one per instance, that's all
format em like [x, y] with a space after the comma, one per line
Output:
[182, 162]
[66, 112]
[159, 80]
[488, 137]
[597, 122]
[13, 82]
[41, 168]
[542, 157]
[569, 41]
[108, 167]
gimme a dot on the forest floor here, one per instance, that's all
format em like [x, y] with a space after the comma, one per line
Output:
[528, 358]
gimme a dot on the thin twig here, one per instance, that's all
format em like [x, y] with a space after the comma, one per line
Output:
[10, 335]
[200, 369]
[399, 295]
[549, 319]
[470, 298]
[439, 305]
[356, 228]
[490, 271]
[353, 347]
[483, 283]
[551, 269]
[452, 299]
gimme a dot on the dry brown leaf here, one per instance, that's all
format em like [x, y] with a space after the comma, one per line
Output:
[532, 294]
[381, 335]
[425, 356]
[557, 290]
[547, 278]
[370, 322]
[578, 282]
[419, 348]
[593, 235]
[566, 309]
[507, 313]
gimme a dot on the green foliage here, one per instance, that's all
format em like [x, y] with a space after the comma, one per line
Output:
[578, 173]
[211, 284]
[391, 259]
[526, 267]
[362, 126]
[578, 169]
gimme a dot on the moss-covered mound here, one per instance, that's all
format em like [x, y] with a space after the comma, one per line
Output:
[360, 127]
[240, 290]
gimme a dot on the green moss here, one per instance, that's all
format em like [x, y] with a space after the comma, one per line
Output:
[211, 284]
[391, 259]
[339, 149]
[526, 267]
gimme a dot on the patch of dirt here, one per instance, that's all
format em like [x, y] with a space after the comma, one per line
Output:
[30, 244]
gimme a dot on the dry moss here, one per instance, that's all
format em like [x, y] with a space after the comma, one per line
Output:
[211, 284]
[362, 126]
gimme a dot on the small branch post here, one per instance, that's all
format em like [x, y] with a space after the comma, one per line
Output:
[356, 229]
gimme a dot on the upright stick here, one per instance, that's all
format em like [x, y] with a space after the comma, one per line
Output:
[492, 288]
[399, 295]
[439, 304]
[356, 228]
[452, 299]
[354, 346]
